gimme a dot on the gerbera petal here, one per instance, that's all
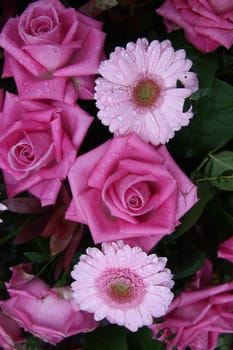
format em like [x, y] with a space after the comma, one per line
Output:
[132, 288]
[101, 312]
[141, 59]
[126, 66]
[166, 58]
[133, 320]
[135, 83]
[145, 315]
[153, 56]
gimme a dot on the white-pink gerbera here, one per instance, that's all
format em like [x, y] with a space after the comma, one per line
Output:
[3, 207]
[138, 90]
[122, 284]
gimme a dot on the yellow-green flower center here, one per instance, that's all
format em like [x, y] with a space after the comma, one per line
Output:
[121, 290]
[121, 286]
[146, 92]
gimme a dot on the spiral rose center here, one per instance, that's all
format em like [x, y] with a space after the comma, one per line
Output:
[134, 202]
[146, 92]
[24, 153]
[33, 151]
[41, 25]
[136, 197]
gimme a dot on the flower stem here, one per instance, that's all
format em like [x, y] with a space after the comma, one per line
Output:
[11, 235]
[214, 178]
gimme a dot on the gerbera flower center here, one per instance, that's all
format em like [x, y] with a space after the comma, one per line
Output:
[146, 92]
[121, 286]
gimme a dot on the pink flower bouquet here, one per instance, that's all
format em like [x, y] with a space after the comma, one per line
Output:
[116, 175]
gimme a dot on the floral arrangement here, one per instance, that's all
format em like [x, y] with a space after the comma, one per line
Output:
[116, 175]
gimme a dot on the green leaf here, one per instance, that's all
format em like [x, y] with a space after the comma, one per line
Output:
[204, 65]
[142, 340]
[225, 342]
[33, 343]
[221, 218]
[187, 263]
[219, 170]
[110, 337]
[211, 127]
[37, 257]
[196, 96]
[205, 193]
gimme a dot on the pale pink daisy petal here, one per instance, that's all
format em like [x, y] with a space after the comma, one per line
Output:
[122, 284]
[138, 90]
[3, 207]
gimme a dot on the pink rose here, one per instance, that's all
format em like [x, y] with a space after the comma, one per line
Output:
[207, 24]
[128, 189]
[10, 334]
[38, 143]
[225, 250]
[198, 315]
[52, 51]
[48, 313]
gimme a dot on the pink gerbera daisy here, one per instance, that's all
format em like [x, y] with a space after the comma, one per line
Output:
[122, 284]
[3, 207]
[138, 90]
